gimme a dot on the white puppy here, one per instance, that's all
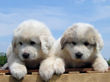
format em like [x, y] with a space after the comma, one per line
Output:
[31, 44]
[79, 46]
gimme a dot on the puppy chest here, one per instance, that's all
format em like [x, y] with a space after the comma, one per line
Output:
[82, 65]
[32, 64]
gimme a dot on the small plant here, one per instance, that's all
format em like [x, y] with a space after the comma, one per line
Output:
[3, 59]
[108, 61]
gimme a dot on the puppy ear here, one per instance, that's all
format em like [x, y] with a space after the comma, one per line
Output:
[65, 39]
[99, 42]
[13, 44]
[46, 43]
[68, 36]
[63, 42]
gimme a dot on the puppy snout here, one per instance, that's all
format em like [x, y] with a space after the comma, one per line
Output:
[78, 55]
[25, 55]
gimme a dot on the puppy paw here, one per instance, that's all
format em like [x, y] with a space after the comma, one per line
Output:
[59, 66]
[18, 73]
[100, 66]
[46, 70]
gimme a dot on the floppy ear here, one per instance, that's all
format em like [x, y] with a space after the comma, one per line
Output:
[63, 42]
[46, 43]
[14, 44]
[68, 36]
[99, 42]
[65, 39]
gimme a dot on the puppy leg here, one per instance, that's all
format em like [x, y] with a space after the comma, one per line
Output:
[5, 66]
[100, 64]
[59, 66]
[17, 68]
[47, 68]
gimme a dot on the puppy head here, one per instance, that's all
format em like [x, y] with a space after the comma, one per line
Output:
[82, 41]
[27, 48]
[27, 42]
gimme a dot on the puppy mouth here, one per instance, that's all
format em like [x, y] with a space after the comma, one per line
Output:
[82, 59]
[79, 60]
[27, 60]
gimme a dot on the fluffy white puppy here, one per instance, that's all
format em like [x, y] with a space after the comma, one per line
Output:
[79, 46]
[31, 44]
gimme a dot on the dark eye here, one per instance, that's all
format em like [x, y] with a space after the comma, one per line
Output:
[74, 43]
[86, 43]
[20, 43]
[32, 43]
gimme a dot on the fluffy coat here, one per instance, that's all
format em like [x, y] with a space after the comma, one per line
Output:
[31, 44]
[79, 46]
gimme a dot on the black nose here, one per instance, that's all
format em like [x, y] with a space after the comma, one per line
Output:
[25, 55]
[78, 55]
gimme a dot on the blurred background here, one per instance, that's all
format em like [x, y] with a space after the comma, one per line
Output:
[58, 15]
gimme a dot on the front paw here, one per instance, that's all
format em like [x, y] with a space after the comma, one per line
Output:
[59, 66]
[100, 66]
[18, 73]
[46, 71]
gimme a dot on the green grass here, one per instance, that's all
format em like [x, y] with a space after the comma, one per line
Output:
[3, 60]
[108, 62]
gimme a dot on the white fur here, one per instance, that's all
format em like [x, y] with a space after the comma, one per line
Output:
[100, 64]
[47, 68]
[65, 56]
[30, 37]
[50, 66]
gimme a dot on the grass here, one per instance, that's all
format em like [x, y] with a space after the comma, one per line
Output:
[3, 60]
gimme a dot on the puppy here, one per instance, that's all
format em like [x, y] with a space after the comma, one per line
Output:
[31, 44]
[79, 46]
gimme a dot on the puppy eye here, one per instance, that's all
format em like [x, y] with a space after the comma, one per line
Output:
[74, 43]
[20, 43]
[86, 43]
[32, 43]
